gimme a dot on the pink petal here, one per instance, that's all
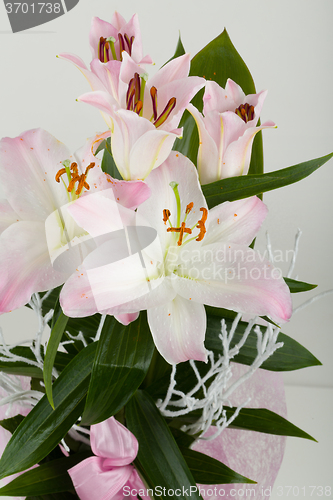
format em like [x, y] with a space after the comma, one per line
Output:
[234, 277]
[108, 76]
[102, 101]
[25, 265]
[28, 165]
[183, 90]
[118, 21]
[100, 28]
[208, 154]
[150, 151]
[92, 479]
[175, 70]
[238, 221]
[252, 454]
[235, 92]
[217, 99]
[178, 329]
[93, 80]
[111, 440]
[237, 157]
[7, 215]
[127, 318]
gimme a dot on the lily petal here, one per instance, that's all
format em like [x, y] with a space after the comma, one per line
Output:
[30, 163]
[237, 222]
[94, 81]
[174, 70]
[234, 277]
[24, 272]
[111, 440]
[208, 154]
[8, 216]
[92, 479]
[178, 329]
[237, 157]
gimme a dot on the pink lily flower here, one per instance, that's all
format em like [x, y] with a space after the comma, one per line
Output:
[109, 473]
[199, 257]
[34, 222]
[142, 115]
[108, 42]
[226, 130]
[126, 37]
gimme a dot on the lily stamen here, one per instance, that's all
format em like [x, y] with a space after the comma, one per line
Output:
[166, 112]
[201, 224]
[166, 215]
[59, 174]
[245, 112]
[153, 94]
[75, 177]
[181, 230]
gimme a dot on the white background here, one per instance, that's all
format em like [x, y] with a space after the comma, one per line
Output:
[288, 47]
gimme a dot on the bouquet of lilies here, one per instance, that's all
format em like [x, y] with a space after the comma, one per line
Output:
[138, 252]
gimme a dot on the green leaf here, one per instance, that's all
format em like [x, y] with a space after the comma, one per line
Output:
[182, 439]
[218, 61]
[236, 188]
[122, 360]
[55, 496]
[208, 470]
[43, 428]
[11, 424]
[159, 459]
[292, 356]
[180, 51]
[262, 420]
[23, 368]
[51, 352]
[48, 478]
[108, 164]
[298, 286]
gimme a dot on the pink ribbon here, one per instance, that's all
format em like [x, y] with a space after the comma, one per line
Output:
[105, 476]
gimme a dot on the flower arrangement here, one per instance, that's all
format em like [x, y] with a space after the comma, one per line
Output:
[138, 251]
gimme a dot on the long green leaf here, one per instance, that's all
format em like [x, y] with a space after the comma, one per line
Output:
[236, 188]
[262, 420]
[208, 470]
[159, 459]
[298, 286]
[44, 427]
[292, 356]
[51, 477]
[218, 61]
[122, 359]
[51, 352]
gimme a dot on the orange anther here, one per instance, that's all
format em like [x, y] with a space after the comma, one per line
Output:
[189, 207]
[59, 174]
[166, 215]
